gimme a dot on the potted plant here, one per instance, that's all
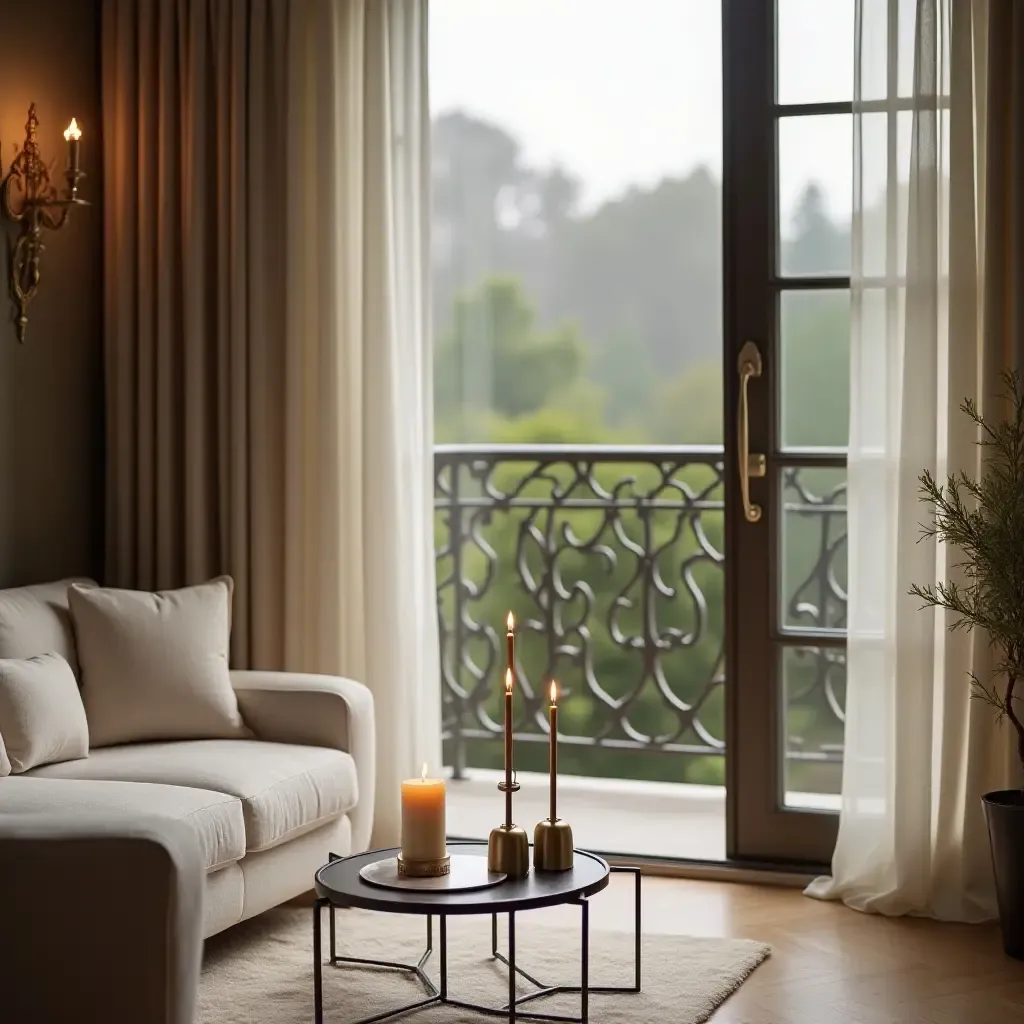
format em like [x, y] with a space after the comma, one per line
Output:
[984, 520]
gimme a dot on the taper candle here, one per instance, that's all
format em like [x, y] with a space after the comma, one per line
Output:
[553, 750]
[552, 838]
[510, 643]
[510, 675]
[508, 747]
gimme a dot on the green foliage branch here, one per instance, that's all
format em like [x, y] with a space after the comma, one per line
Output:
[984, 520]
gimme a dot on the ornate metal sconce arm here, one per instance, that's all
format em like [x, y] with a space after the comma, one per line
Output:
[28, 197]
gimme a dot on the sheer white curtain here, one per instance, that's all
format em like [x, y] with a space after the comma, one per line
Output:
[359, 480]
[919, 752]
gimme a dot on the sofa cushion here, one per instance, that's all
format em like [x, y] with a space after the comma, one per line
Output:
[41, 715]
[285, 789]
[35, 620]
[155, 665]
[217, 818]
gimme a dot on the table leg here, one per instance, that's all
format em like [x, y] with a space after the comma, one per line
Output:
[444, 956]
[318, 982]
[494, 934]
[638, 933]
[585, 967]
[512, 966]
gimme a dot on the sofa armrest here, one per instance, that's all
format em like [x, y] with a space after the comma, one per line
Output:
[319, 711]
[126, 892]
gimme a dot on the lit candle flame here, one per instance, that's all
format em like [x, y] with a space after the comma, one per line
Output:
[508, 680]
[554, 692]
[423, 774]
[73, 131]
[510, 622]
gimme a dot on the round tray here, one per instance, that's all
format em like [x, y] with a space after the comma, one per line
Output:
[466, 872]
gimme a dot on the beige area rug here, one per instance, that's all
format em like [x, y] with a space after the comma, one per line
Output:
[261, 972]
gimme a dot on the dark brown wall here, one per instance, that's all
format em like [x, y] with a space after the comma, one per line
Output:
[51, 388]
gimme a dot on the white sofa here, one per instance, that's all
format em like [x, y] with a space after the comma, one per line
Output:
[102, 918]
[260, 814]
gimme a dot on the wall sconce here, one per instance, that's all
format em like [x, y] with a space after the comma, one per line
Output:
[30, 199]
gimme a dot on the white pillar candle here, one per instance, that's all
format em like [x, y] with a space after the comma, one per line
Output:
[423, 824]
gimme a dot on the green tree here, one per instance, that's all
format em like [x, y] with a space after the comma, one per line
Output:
[815, 344]
[817, 245]
[646, 267]
[623, 370]
[495, 359]
[687, 408]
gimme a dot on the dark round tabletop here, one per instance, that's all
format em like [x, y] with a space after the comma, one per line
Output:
[340, 883]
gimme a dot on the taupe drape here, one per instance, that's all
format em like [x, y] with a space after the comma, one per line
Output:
[195, 128]
[1002, 139]
[267, 349]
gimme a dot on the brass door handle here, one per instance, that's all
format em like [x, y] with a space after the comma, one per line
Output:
[750, 465]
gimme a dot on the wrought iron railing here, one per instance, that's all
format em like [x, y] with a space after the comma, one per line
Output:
[613, 561]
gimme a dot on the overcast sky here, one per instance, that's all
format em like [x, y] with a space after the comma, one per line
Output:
[625, 92]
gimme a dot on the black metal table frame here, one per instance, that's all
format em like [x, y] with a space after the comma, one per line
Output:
[438, 994]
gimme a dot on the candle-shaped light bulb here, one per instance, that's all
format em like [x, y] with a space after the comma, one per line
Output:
[73, 135]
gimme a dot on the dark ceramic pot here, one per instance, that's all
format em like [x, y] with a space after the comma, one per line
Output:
[1004, 811]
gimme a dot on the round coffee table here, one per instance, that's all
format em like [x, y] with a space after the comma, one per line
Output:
[338, 884]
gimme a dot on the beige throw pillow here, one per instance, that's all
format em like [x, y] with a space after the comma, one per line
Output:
[35, 620]
[155, 666]
[42, 720]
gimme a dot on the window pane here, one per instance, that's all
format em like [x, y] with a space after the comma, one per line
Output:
[877, 56]
[815, 50]
[874, 53]
[814, 706]
[813, 548]
[882, 256]
[906, 17]
[814, 332]
[815, 194]
[577, 255]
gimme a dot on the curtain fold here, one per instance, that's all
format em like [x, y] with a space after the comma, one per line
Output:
[267, 351]
[1003, 181]
[919, 751]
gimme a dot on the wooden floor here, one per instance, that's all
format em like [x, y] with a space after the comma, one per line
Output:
[831, 965]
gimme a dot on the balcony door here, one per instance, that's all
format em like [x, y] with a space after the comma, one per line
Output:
[788, 189]
[625, 204]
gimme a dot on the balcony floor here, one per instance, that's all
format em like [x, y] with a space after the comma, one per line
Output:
[650, 819]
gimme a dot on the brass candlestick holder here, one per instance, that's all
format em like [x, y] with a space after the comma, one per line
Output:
[552, 838]
[552, 845]
[508, 846]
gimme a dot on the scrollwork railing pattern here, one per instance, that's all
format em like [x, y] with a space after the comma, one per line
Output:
[613, 562]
